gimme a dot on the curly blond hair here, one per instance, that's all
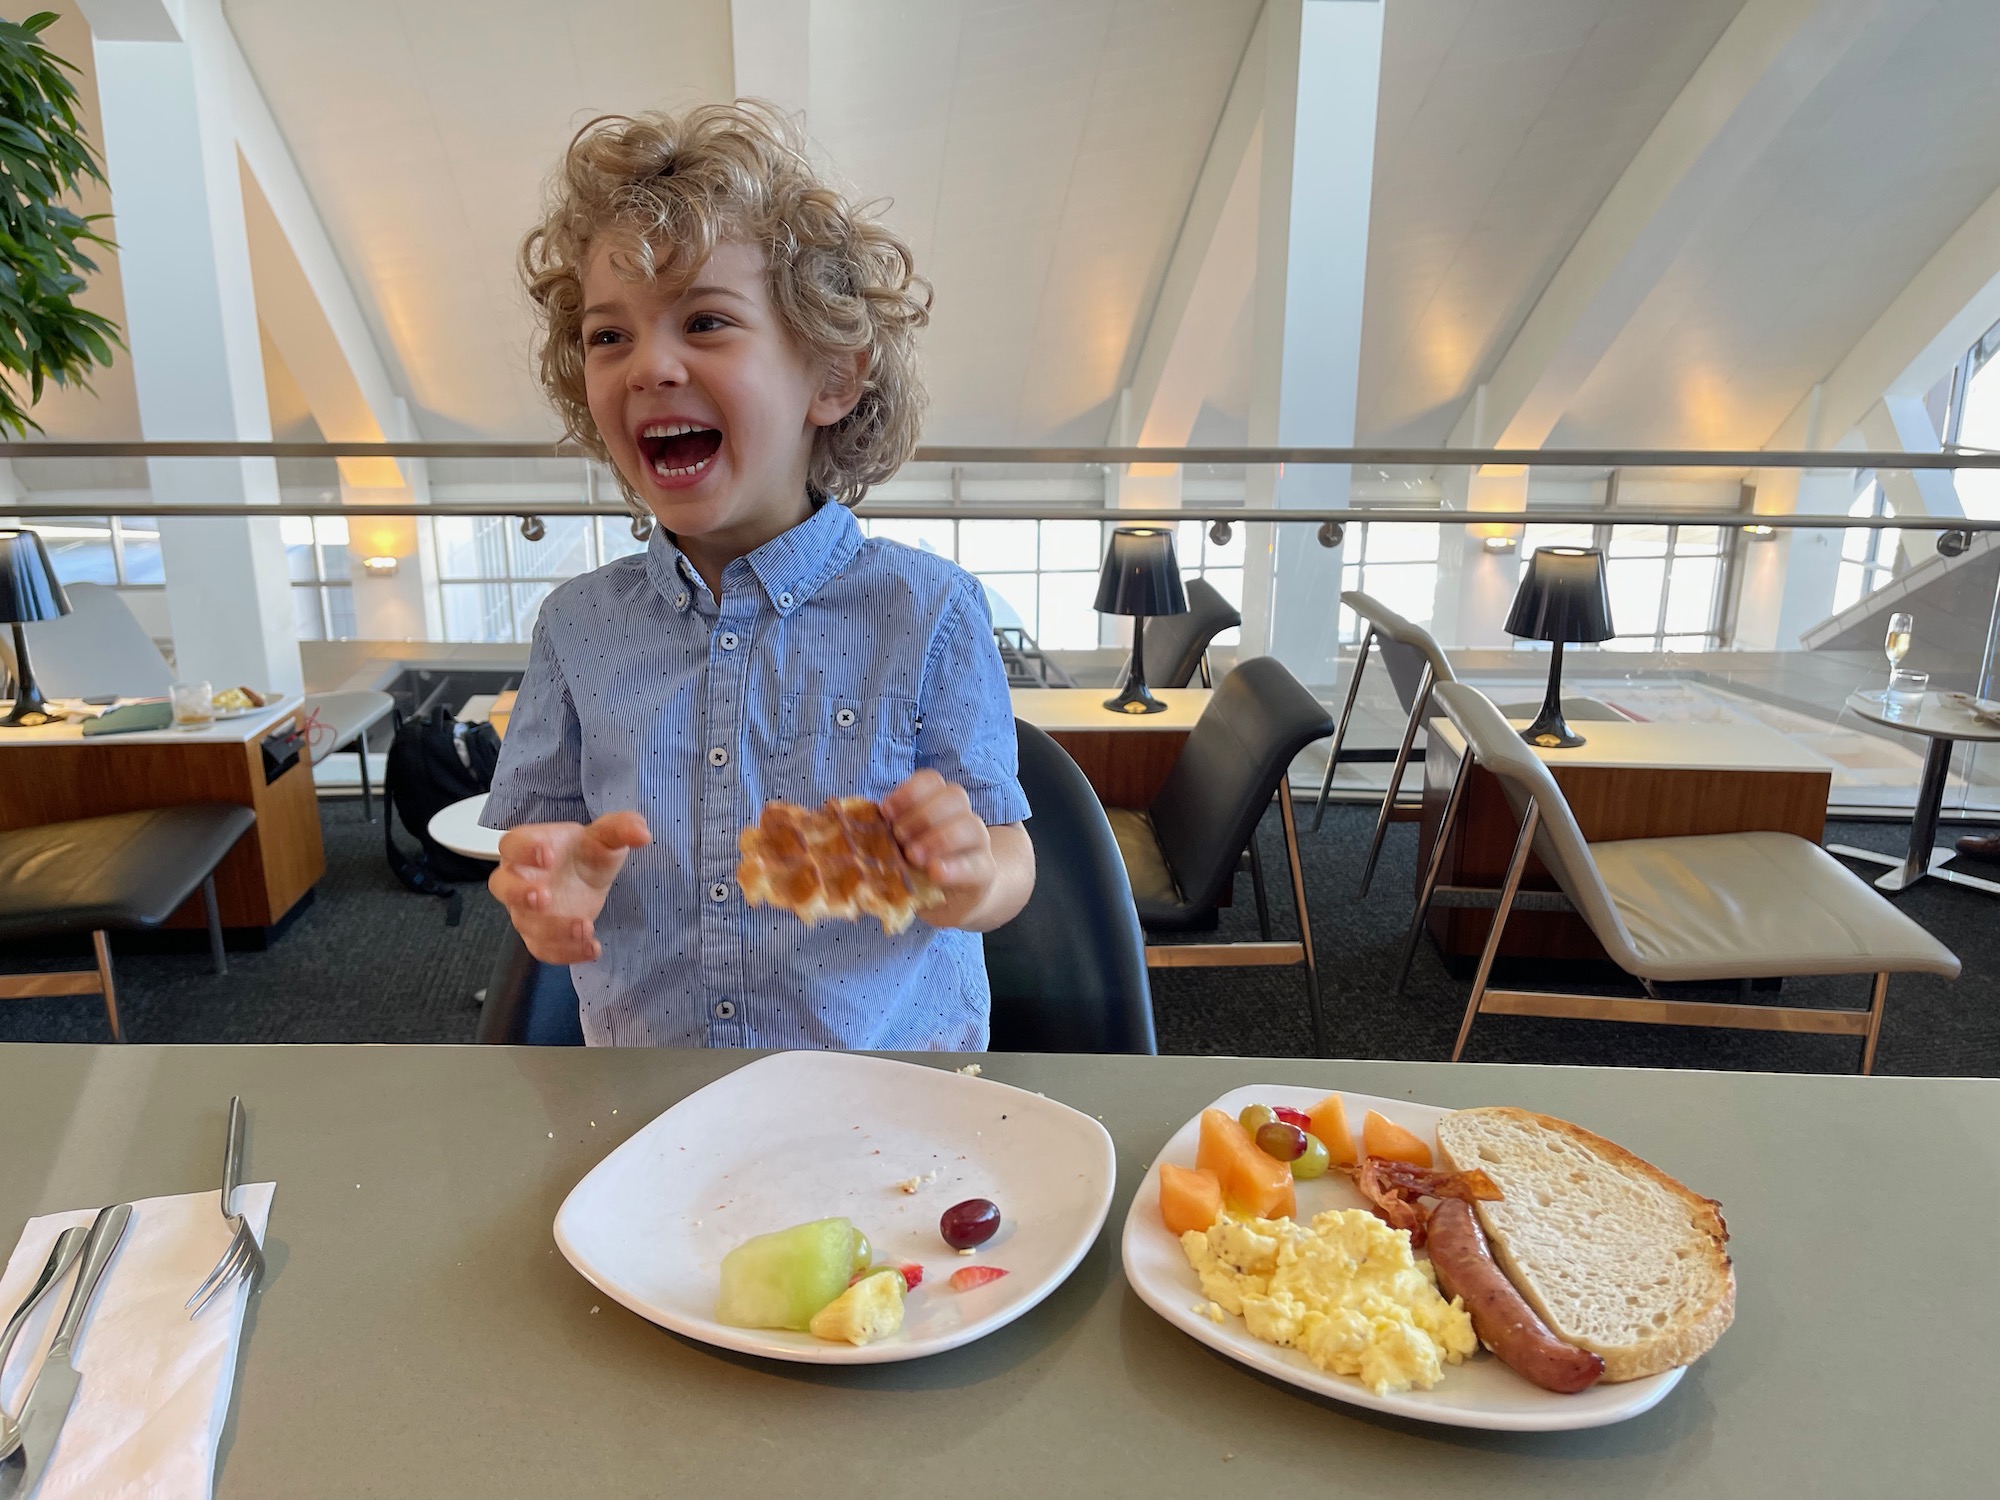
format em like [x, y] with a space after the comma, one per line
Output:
[664, 190]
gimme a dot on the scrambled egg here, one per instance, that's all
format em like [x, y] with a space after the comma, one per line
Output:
[1345, 1292]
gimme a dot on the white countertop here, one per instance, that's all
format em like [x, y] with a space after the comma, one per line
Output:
[241, 731]
[1634, 745]
[1074, 710]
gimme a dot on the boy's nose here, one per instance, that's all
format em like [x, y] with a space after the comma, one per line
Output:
[658, 363]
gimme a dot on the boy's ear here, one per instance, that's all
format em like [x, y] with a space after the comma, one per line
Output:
[840, 390]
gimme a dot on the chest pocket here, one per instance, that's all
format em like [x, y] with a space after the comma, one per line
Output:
[831, 746]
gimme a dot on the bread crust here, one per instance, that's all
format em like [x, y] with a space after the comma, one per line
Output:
[1680, 1344]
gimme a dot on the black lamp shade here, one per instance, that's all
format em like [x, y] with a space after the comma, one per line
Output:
[28, 587]
[1562, 597]
[1140, 575]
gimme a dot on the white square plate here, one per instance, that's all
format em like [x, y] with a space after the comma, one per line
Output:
[1482, 1392]
[812, 1135]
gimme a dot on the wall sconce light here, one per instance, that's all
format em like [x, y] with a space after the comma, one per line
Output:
[1760, 533]
[1953, 543]
[379, 567]
[1220, 533]
[1500, 544]
[532, 529]
[1331, 534]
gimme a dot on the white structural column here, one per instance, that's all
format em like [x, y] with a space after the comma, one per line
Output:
[1322, 65]
[191, 327]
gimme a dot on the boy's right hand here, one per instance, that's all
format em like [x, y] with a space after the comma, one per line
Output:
[553, 878]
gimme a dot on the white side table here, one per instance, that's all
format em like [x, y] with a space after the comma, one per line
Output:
[457, 827]
[1943, 723]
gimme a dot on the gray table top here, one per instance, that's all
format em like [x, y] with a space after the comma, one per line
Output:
[419, 1334]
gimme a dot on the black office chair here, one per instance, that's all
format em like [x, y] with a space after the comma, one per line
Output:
[1182, 853]
[1069, 973]
[1177, 645]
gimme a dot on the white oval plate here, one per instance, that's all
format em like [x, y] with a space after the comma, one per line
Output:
[1482, 1392]
[809, 1135]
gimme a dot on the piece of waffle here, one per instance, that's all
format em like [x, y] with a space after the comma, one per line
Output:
[837, 860]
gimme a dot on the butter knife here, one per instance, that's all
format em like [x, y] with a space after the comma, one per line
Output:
[56, 1385]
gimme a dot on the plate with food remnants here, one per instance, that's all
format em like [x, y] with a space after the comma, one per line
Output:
[833, 1208]
[1488, 1268]
[239, 702]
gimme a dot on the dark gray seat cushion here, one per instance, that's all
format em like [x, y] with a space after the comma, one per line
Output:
[126, 870]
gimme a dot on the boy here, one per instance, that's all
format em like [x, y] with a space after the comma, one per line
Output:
[738, 343]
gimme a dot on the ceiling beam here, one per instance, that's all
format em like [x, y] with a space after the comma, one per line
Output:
[1768, 62]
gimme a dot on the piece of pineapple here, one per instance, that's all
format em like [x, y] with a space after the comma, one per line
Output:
[871, 1309]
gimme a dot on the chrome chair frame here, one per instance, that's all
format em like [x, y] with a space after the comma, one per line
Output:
[1391, 797]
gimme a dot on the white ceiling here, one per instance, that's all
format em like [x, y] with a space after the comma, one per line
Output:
[1040, 154]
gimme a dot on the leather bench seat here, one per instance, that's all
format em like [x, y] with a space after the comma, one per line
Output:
[127, 870]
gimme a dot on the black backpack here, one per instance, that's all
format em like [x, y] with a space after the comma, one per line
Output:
[434, 762]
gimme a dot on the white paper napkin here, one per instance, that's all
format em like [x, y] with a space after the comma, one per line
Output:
[155, 1388]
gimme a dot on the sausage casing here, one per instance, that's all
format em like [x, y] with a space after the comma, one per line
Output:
[1500, 1315]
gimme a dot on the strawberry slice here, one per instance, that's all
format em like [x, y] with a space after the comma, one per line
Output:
[967, 1277]
[913, 1276]
[1296, 1117]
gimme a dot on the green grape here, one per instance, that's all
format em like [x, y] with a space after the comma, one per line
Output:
[863, 1254]
[1255, 1117]
[1313, 1161]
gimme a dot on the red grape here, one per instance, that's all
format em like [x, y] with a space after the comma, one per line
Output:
[970, 1223]
[1285, 1142]
[1296, 1117]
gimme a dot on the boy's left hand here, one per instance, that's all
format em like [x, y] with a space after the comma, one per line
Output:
[941, 835]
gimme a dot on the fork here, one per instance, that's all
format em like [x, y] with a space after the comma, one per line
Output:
[243, 1257]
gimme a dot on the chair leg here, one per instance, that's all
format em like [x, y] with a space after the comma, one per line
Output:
[1446, 825]
[1875, 1004]
[1340, 730]
[101, 941]
[1207, 676]
[1510, 888]
[217, 962]
[1423, 699]
[367, 796]
[1257, 889]
[1285, 814]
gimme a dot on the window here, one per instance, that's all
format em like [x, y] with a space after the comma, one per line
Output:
[1973, 421]
[492, 580]
[1396, 564]
[121, 551]
[1867, 555]
[322, 593]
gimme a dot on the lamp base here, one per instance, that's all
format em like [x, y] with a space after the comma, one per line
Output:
[1551, 732]
[30, 709]
[1135, 700]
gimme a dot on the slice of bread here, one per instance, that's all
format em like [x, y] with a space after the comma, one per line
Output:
[1615, 1255]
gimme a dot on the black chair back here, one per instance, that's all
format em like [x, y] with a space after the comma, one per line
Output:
[1174, 643]
[528, 1003]
[1227, 772]
[1069, 973]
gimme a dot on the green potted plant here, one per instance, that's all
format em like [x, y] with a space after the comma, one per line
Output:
[44, 157]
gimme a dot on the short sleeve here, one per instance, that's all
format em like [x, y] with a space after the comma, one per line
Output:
[966, 719]
[540, 775]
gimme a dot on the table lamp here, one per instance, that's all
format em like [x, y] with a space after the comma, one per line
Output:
[28, 592]
[1140, 579]
[1562, 598]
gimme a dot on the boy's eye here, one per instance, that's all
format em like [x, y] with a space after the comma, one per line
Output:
[706, 323]
[601, 336]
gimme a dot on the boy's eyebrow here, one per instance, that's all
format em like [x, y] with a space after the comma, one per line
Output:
[708, 290]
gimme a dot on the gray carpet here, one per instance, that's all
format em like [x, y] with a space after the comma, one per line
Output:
[370, 962]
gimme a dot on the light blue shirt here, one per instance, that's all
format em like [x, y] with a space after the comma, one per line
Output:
[833, 665]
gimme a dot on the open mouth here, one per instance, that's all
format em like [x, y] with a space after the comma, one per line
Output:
[678, 450]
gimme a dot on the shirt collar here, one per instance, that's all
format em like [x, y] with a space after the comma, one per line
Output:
[791, 567]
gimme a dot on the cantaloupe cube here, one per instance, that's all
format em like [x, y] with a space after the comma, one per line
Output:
[1329, 1123]
[1257, 1184]
[1380, 1137]
[1188, 1199]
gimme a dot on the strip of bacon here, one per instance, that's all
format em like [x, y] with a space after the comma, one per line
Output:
[1392, 1189]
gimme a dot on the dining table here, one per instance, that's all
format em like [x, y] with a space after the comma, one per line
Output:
[418, 1332]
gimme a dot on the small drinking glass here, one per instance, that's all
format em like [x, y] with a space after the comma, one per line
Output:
[1907, 689]
[194, 705]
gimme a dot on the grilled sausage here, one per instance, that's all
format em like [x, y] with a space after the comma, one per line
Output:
[1500, 1315]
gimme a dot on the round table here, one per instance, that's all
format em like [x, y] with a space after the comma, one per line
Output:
[457, 827]
[1943, 722]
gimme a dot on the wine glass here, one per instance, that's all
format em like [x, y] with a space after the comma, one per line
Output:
[1896, 644]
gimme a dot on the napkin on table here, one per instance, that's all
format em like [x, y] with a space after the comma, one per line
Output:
[155, 1384]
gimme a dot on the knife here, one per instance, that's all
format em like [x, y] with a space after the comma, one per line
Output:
[55, 1386]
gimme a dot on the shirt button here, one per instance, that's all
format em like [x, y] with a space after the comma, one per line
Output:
[784, 601]
[718, 892]
[725, 1010]
[680, 601]
[718, 756]
[845, 718]
[728, 640]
